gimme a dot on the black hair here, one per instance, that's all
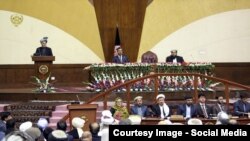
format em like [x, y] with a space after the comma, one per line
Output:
[61, 125]
[243, 95]
[10, 123]
[4, 115]
[201, 94]
[188, 97]
[46, 132]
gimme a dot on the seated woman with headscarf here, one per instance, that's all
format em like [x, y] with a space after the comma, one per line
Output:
[118, 110]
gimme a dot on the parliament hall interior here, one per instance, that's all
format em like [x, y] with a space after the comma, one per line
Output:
[71, 68]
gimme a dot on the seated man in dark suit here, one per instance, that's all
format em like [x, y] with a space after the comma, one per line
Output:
[174, 58]
[219, 106]
[242, 107]
[161, 109]
[187, 109]
[202, 109]
[139, 108]
[43, 50]
[120, 57]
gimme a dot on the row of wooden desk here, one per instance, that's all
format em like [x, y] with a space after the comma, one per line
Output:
[154, 121]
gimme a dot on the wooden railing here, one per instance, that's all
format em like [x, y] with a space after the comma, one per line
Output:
[154, 77]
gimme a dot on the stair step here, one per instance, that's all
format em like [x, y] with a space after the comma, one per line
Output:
[59, 113]
[62, 107]
[54, 119]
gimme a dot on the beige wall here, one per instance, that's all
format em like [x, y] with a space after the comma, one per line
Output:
[191, 26]
[70, 25]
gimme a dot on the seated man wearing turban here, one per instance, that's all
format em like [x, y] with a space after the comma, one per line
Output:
[161, 109]
[139, 108]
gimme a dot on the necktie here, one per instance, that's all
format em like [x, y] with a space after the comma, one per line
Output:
[244, 107]
[204, 111]
[221, 107]
[120, 58]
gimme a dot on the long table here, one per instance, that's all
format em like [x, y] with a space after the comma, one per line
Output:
[154, 121]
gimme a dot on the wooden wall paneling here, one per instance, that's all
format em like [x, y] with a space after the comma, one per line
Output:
[106, 14]
[238, 72]
[130, 36]
[131, 18]
[108, 35]
[3, 76]
[128, 16]
[12, 76]
[70, 74]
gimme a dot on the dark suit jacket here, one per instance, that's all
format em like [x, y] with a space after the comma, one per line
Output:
[239, 107]
[74, 133]
[95, 137]
[116, 59]
[2, 126]
[216, 109]
[182, 110]
[200, 112]
[43, 51]
[171, 58]
[134, 110]
[157, 111]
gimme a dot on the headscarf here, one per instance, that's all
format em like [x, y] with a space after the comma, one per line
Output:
[121, 112]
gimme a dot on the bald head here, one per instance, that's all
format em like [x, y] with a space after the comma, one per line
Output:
[94, 128]
[86, 136]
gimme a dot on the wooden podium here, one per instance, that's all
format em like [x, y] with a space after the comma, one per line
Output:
[43, 65]
[85, 111]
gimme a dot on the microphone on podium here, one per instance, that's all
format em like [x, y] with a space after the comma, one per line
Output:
[78, 100]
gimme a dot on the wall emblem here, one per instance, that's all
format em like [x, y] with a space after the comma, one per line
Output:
[43, 69]
[16, 19]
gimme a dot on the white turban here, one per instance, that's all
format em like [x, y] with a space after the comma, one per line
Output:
[194, 121]
[44, 39]
[58, 135]
[24, 126]
[160, 96]
[135, 119]
[78, 122]
[107, 117]
[165, 122]
[138, 97]
[42, 123]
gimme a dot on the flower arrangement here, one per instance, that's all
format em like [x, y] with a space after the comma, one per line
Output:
[43, 85]
[110, 74]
